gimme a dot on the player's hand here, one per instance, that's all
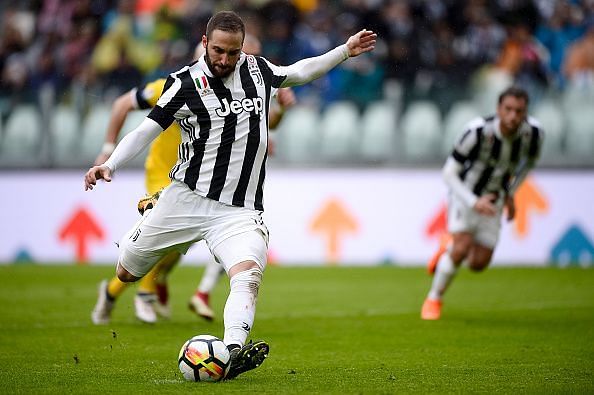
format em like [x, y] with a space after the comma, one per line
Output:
[101, 158]
[286, 97]
[510, 206]
[97, 173]
[485, 205]
[363, 41]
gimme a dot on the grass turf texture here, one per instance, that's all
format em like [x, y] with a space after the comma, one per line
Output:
[331, 330]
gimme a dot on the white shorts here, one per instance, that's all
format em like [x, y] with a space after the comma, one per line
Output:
[181, 218]
[485, 229]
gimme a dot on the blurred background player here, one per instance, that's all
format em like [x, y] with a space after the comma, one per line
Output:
[200, 301]
[151, 299]
[489, 162]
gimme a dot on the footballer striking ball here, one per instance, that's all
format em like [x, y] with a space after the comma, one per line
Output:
[204, 358]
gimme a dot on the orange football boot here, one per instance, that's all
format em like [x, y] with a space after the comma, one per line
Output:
[431, 309]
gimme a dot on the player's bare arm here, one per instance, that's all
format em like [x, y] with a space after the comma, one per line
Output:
[119, 111]
[286, 99]
[510, 207]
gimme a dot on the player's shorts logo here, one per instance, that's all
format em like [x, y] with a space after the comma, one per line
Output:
[255, 104]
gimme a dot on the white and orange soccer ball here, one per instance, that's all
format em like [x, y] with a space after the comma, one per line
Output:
[204, 358]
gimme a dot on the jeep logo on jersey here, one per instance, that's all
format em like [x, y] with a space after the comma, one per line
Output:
[236, 106]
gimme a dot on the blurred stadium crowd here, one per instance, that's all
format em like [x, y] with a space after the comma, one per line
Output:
[437, 64]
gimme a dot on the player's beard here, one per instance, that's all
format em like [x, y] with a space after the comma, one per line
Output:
[512, 127]
[217, 71]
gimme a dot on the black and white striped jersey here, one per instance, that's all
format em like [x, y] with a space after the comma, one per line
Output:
[224, 125]
[491, 163]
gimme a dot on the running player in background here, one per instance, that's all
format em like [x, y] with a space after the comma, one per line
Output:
[221, 102]
[489, 162]
[285, 98]
[152, 299]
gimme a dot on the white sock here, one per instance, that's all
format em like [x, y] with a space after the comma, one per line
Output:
[444, 274]
[211, 276]
[240, 308]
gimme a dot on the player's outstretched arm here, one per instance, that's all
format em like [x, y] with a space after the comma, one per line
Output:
[309, 69]
[119, 111]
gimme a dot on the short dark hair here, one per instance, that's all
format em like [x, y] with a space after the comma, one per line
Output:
[515, 92]
[227, 21]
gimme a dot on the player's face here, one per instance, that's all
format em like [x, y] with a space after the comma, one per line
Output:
[511, 112]
[222, 52]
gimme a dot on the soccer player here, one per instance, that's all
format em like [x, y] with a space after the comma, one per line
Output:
[151, 299]
[489, 162]
[221, 103]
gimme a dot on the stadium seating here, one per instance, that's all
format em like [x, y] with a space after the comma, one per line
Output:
[580, 132]
[65, 136]
[459, 115]
[340, 132]
[94, 129]
[421, 131]
[548, 113]
[378, 125]
[22, 138]
[298, 135]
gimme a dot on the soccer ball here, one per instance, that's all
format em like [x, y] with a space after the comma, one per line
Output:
[204, 358]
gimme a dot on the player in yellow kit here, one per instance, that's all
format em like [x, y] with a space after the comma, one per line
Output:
[151, 297]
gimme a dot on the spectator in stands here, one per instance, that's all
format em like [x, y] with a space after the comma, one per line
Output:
[527, 59]
[558, 32]
[579, 64]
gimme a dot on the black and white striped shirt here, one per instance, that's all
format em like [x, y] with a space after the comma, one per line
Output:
[492, 163]
[224, 125]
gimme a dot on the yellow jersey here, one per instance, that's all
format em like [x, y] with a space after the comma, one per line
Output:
[162, 154]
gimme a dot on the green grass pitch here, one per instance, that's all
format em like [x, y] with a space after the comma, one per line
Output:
[331, 330]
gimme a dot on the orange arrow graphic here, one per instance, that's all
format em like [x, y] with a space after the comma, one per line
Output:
[439, 223]
[81, 227]
[528, 198]
[334, 220]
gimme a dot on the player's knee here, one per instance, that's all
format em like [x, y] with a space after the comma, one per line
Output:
[125, 276]
[459, 252]
[243, 266]
[248, 280]
[478, 265]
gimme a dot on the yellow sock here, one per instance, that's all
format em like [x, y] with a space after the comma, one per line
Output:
[148, 284]
[116, 287]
